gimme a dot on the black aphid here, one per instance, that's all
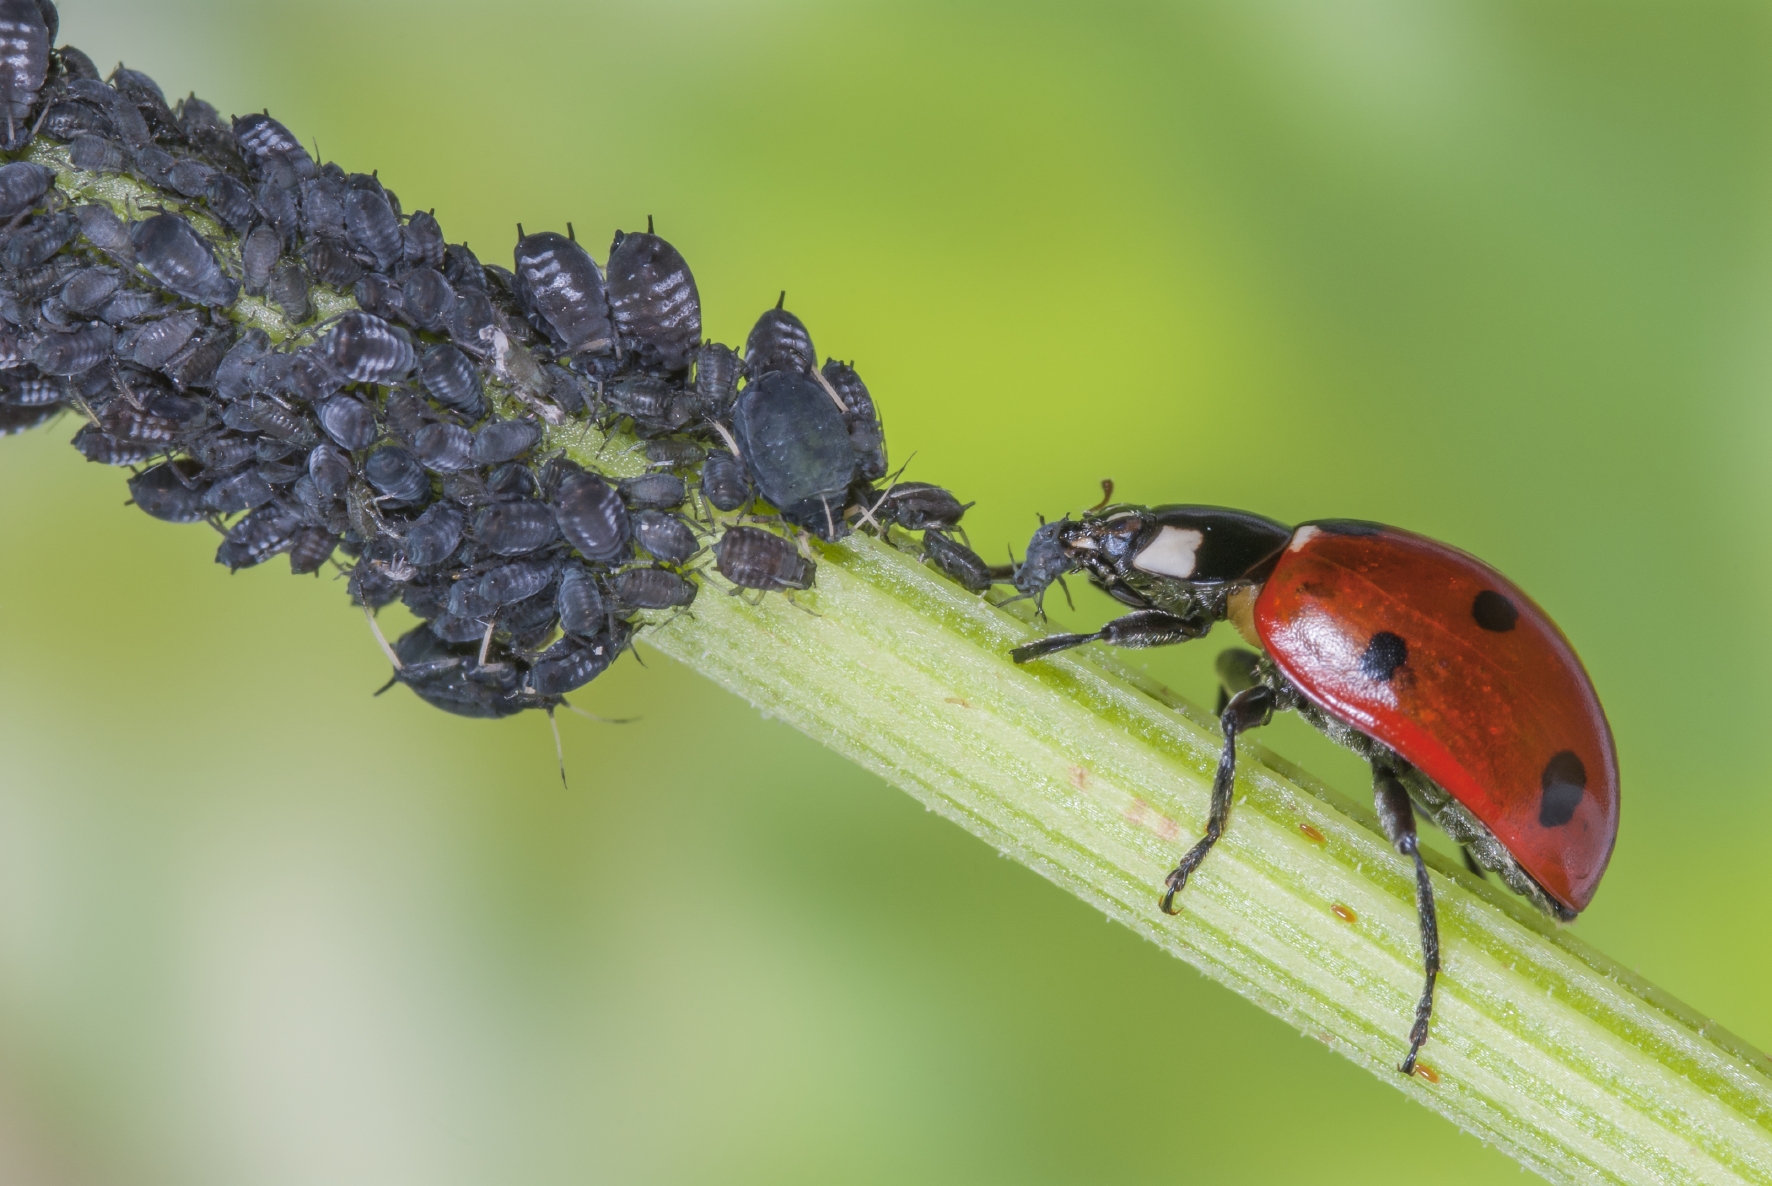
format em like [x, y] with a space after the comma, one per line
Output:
[349, 421]
[652, 404]
[371, 226]
[591, 515]
[21, 183]
[33, 243]
[426, 299]
[97, 445]
[752, 558]
[178, 258]
[724, 482]
[560, 283]
[779, 342]
[263, 141]
[574, 662]
[449, 676]
[515, 528]
[675, 453]
[504, 440]
[310, 548]
[957, 562]
[796, 446]
[422, 241]
[87, 290]
[716, 380]
[580, 603]
[259, 536]
[920, 506]
[365, 349]
[652, 588]
[396, 473]
[866, 436]
[72, 353]
[240, 491]
[288, 290]
[653, 301]
[444, 448]
[653, 492]
[25, 38]
[452, 381]
[170, 491]
[433, 537]
[329, 264]
[665, 537]
[105, 231]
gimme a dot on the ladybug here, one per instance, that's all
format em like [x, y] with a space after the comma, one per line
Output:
[1462, 694]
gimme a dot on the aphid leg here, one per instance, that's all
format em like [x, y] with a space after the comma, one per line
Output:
[1140, 628]
[591, 716]
[1397, 817]
[1248, 709]
[559, 750]
[381, 638]
[486, 639]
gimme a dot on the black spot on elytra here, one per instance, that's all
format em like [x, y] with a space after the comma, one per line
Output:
[1564, 781]
[1384, 654]
[1494, 612]
[1348, 526]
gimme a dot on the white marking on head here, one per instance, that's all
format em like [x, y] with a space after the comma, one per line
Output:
[1171, 554]
[1303, 536]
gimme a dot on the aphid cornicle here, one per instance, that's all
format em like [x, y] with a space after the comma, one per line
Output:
[1460, 692]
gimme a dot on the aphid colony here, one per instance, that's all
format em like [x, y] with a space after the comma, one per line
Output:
[399, 432]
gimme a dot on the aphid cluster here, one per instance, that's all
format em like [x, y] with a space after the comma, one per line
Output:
[398, 427]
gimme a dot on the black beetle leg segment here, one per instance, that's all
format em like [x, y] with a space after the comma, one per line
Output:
[1397, 818]
[1142, 628]
[1248, 709]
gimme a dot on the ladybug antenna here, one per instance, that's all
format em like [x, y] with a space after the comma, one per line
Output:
[782, 299]
[1107, 495]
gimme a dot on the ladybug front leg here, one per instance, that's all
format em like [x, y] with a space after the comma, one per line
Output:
[1141, 628]
[1248, 709]
[1397, 816]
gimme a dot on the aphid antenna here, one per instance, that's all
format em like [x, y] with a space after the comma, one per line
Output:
[375, 629]
[867, 515]
[591, 716]
[559, 750]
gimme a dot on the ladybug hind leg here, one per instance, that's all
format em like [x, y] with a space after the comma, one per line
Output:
[1396, 815]
[1140, 628]
[1248, 709]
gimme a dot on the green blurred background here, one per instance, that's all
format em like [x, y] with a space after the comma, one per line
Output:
[1498, 272]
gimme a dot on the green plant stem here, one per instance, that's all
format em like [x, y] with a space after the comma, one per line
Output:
[1098, 779]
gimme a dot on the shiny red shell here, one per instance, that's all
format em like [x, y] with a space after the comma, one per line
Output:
[1438, 656]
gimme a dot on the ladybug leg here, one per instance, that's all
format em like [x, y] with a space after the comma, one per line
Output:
[1248, 709]
[1237, 669]
[1397, 816]
[1141, 628]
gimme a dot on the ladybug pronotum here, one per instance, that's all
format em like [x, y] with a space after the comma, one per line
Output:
[1463, 695]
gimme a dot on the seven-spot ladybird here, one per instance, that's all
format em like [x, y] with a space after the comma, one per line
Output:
[1462, 694]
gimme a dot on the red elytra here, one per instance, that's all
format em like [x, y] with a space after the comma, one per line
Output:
[1489, 714]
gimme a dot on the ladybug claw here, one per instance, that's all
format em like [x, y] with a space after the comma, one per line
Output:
[1175, 882]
